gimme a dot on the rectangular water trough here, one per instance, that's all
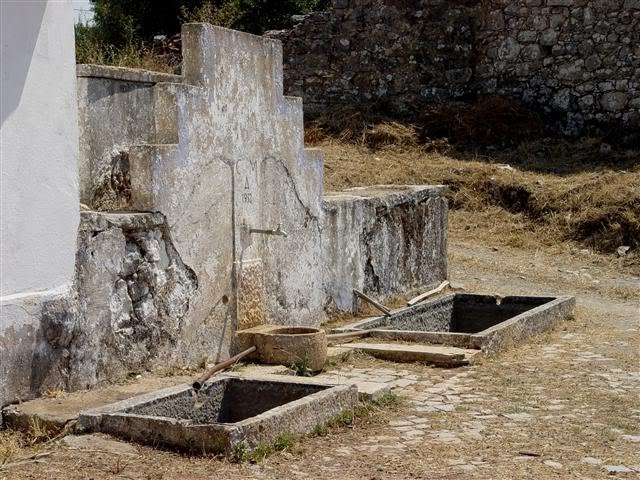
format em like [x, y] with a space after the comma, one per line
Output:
[469, 321]
[228, 411]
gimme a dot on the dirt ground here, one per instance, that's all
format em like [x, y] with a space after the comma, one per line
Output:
[563, 405]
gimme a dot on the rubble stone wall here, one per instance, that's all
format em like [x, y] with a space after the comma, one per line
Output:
[578, 61]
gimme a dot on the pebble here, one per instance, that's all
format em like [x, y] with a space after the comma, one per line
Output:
[518, 417]
[613, 469]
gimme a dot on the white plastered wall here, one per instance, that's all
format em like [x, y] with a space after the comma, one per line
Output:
[39, 209]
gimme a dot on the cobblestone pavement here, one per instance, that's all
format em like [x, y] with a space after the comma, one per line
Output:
[488, 408]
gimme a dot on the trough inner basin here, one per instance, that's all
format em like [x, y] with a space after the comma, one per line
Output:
[457, 313]
[226, 401]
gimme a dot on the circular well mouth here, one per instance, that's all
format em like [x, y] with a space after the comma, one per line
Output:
[294, 331]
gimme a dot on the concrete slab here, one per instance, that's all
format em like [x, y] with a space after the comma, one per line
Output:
[434, 355]
[97, 442]
[367, 391]
[55, 413]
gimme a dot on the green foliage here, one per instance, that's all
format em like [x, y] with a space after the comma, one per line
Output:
[257, 16]
[361, 410]
[343, 419]
[302, 368]
[122, 21]
[225, 15]
[124, 30]
[91, 47]
[387, 400]
[284, 441]
[320, 431]
[240, 453]
[261, 452]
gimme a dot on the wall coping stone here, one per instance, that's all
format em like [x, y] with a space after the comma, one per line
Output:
[126, 74]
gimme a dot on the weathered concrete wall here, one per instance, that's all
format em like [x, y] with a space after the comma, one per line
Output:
[188, 183]
[218, 152]
[576, 60]
[114, 111]
[128, 310]
[39, 179]
[383, 240]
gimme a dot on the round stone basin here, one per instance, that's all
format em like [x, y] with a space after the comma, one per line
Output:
[293, 346]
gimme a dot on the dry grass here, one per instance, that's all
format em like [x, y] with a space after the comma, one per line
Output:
[10, 444]
[361, 128]
[597, 209]
[54, 393]
[129, 56]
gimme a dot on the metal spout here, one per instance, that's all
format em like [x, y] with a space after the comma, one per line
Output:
[277, 231]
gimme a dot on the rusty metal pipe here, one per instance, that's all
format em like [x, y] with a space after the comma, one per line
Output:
[197, 385]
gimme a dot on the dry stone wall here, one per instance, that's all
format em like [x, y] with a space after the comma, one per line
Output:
[577, 61]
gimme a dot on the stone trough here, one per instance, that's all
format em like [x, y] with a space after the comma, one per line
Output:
[467, 321]
[227, 412]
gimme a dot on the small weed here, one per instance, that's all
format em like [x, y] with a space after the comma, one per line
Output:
[119, 467]
[284, 441]
[129, 378]
[236, 367]
[302, 368]
[387, 400]
[333, 362]
[54, 393]
[320, 431]
[202, 364]
[261, 452]
[38, 432]
[514, 240]
[330, 363]
[343, 419]
[363, 409]
[346, 356]
[240, 453]
[10, 442]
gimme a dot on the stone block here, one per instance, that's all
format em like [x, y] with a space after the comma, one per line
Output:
[383, 240]
[228, 412]
[614, 101]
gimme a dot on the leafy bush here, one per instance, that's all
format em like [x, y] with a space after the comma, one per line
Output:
[123, 30]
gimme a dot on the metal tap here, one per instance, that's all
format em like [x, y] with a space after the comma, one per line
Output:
[277, 231]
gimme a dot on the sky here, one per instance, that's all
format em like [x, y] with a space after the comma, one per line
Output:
[82, 10]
